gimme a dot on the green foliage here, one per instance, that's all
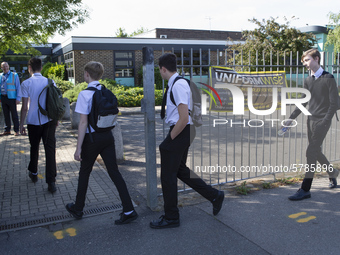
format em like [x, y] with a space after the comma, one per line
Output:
[333, 37]
[61, 84]
[126, 96]
[73, 93]
[158, 78]
[243, 189]
[27, 22]
[270, 36]
[140, 30]
[56, 70]
[121, 32]
[267, 185]
[45, 69]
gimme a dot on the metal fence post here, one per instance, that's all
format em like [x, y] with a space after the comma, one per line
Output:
[148, 107]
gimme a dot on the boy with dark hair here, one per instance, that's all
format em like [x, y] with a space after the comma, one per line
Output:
[174, 149]
[39, 126]
[88, 150]
[322, 106]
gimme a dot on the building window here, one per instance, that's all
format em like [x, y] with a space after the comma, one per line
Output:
[69, 63]
[200, 61]
[124, 64]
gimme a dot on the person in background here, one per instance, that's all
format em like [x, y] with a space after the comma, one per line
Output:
[10, 90]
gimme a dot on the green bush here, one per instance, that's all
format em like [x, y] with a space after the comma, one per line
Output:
[158, 78]
[126, 96]
[45, 69]
[61, 84]
[56, 70]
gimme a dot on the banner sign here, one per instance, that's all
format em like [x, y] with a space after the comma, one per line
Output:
[231, 87]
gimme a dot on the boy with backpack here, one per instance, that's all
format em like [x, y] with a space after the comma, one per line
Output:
[92, 142]
[39, 126]
[174, 148]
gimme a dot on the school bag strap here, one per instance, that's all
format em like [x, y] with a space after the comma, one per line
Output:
[42, 110]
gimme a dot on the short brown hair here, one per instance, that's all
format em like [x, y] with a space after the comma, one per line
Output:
[313, 53]
[95, 69]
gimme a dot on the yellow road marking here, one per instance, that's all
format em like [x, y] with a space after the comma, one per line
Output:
[59, 235]
[71, 231]
[15, 152]
[306, 219]
[294, 216]
[40, 176]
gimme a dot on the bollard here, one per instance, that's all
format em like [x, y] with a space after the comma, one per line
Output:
[67, 114]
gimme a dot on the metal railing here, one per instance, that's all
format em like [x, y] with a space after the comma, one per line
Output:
[228, 153]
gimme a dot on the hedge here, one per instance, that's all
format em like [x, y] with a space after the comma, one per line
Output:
[126, 96]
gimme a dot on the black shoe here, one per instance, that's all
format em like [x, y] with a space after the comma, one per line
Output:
[332, 183]
[51, 187]
[218, 202]
[300, 194]
[164, 223]
[34, 177]
[124, 219]
[76, 214]
[333, 175]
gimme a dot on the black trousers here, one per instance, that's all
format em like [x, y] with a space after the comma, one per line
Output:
[173, 165]
[9, 107]
[317, 132]
[103, 144]
[47, 133]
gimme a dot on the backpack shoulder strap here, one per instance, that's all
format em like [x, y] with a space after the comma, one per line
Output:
[91, 88]
[171, 94]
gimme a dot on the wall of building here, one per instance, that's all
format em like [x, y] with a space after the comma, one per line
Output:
[103, 56]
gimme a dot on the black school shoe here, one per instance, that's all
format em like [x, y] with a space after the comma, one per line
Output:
[299, 195]
[162, 222]
[124, 219]
[333, 183]
[218, 202]
[51, 187]
[71, 209]
[34, 177]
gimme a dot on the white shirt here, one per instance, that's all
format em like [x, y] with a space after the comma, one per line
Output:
[181, 93]
[31, 88]
[318, 73]
[84, 101]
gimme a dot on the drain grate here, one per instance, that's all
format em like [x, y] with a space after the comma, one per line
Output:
[54, 219]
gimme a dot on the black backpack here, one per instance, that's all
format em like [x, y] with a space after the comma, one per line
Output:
[195, 111]
[55, 107]
[104, 110]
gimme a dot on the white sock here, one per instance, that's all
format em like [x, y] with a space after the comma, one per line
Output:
[128, 213]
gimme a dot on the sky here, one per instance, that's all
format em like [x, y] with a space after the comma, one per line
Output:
[107, 16]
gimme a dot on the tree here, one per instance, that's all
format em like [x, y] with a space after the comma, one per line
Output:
[140, 30]
[121, 33]
[270, 36]
[27, 22]
[333, 37]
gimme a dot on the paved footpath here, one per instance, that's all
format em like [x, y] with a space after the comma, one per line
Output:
[24, 203]
[33, 221]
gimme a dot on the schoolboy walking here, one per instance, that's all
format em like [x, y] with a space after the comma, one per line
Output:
[322, 106]
[89, 146]
[174, 148]
[39, 126]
